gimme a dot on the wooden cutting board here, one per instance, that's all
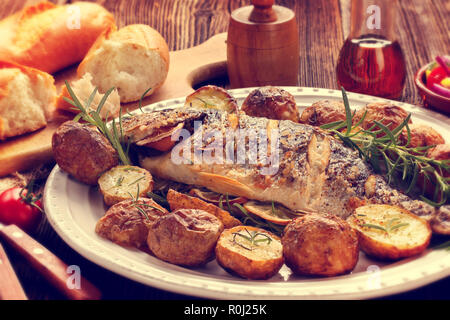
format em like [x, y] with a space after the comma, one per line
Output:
[187, 68]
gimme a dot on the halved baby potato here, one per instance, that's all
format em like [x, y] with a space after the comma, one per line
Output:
[211, 97]
[124, 182]
[127, 223]
[390, 232]
[249, 252]
[185, 237]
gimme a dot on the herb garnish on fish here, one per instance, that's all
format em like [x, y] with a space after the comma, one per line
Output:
[401, 164]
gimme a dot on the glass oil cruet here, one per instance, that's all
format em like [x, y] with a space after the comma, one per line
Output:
[371, 60]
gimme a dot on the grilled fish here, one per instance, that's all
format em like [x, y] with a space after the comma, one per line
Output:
[299, 166]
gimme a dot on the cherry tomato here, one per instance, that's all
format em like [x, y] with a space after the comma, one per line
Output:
[436, 76]
[15, 210]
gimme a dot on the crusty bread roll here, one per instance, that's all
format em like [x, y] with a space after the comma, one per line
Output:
[132, 59]
[27, 96]
[83, 88]
[50, 37]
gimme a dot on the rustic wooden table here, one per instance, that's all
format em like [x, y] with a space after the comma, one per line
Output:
[423, 32]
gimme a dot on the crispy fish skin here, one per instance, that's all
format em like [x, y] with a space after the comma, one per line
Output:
[315, 171]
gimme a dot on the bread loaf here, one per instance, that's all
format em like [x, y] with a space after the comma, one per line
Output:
[49, 37]
[27, 97]
[132, 59]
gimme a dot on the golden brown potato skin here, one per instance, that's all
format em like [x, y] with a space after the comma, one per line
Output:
[421, 136]
[320, 244]
[386, 113]
[211, 96]
[186, 237]
[272, 103]
[82, 151]
[125, 225]
[323, 112]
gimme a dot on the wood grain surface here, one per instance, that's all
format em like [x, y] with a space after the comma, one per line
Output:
[423, 32]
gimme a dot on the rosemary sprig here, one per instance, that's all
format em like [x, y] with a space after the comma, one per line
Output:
[158, 199]
[401, 164]
[137, 205]
[206, 103]
[111, 132]
[251, 237]
[142, 98]
[141, 205]
[221, 202]
[389, 225]
[445, 246]
[374, 226]
[136, 181]
[119, 181]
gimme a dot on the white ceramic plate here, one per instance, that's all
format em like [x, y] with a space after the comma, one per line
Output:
[74, 208]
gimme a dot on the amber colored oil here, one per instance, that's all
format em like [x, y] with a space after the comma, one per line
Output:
[372, 65]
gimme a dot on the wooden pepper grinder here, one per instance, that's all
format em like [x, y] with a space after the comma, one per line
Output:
[263, 46]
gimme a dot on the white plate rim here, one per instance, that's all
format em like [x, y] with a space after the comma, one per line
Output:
[433, 266]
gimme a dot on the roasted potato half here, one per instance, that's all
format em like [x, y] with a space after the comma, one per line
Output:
[185, 237]
[388, 114]
[124, 182]
[272, 103]
[82, 151]
[438, 152]
[250, 252]
[320, 245]
[390, 232]
[323, 112]
[179, 200]
[126, 223]
[421, 136]
[211, 97]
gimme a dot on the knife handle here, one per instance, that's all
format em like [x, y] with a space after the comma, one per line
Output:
[49, 265]
[10, 288]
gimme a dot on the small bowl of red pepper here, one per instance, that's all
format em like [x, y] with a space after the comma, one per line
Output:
[433, 82]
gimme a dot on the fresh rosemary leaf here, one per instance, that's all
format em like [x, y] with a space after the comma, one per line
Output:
[91, 98]
[93, 117]
[444, 245]
[374, 226]
[136, 181]
[400, 164]
[398, 226]
[142, 98]
[348, 111]
[159, 199]
[221, 202]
